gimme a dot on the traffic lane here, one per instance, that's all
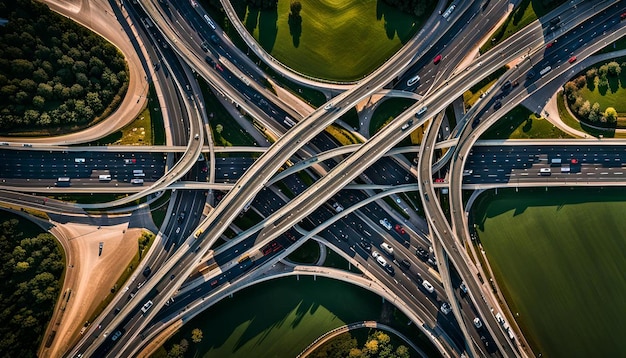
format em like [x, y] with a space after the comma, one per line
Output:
[410, 287]
[49, 165]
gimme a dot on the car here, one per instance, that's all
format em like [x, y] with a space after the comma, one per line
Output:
[497, 105]
[328, 107]
[390, 270]
[463, 287]
[437, 59]
[572, 59]
[406, 263]
[181, 216]
[445, 308]
[196, 137]
[468, 172]
[375, 254]
[476, 122]
[432, 262]
[400, 230]
[385, 223]
[215, 39]
[365, 245]
[428, 286]
[439, 180]
[116, 335]
[387, 248]
[573, 161]
[550, 44]
[213, 283]
[130, 161]
[530, 75]
[623, 16]
[477, 322]
[515, 84]
[178, 230]
[506, 86]
[381, 260]
[421, 253]
[172, 276]
[116, 311]
[146, 272]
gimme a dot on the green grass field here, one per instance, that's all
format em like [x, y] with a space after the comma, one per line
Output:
[560, 257]
[340, 40]
[520, 123]
[613, 96]
[388, 110]
[527, 12]
[278, 318]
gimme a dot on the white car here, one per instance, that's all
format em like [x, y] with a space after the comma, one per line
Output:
[385, 223]
[477, 322]
[381, 260]
[445, 308]
[375, 254]
[428, 286]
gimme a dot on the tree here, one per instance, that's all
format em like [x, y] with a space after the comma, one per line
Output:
[611, 115]
[613, 68]
[196, 335]
[402, 352]
[371, 346]
[570, 90]
[219, 128]
[584, 110]
[39, 102]
[295, 7]
[176, 351]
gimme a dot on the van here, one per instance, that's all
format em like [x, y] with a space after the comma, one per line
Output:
[79, 160]
[387, 248]
[146, 307]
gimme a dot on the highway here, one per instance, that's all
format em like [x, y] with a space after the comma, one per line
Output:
[310, 207]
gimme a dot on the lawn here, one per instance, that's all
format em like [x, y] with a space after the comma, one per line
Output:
[279, 318]
[308, 253]
[232, 134]
[612, 96]
[146, 129]
[520, 123]
[527, 12]
[336, 40]
[559, 256]
[387, 111]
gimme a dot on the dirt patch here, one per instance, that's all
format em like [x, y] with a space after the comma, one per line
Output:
[91, 274]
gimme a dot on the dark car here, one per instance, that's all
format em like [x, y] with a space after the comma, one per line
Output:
[406, 263]
[365, 245]
[421, 253]
[147, 271]
[475, 122]
[390, 270]
[497, 105]
[530, 75]
[506, 86]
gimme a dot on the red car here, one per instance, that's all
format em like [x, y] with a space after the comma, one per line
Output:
[572, 59]
[550, 44]
[437, 59]
[439, 180]
[400, 229]
[623, 16]
[574, 161]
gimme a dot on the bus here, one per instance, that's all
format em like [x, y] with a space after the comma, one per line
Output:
[104, 177]
[208, 20]
[63, 181]
[289, 122]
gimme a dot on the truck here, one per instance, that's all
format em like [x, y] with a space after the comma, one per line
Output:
[104, 177]
[545, 70]
[545, 171]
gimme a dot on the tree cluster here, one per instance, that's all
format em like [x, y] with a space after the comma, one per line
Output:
[178, 350]
[263, 4]
[377, 345]
[30, 271]
[415, 7]
[54, 72]
[594, 77]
